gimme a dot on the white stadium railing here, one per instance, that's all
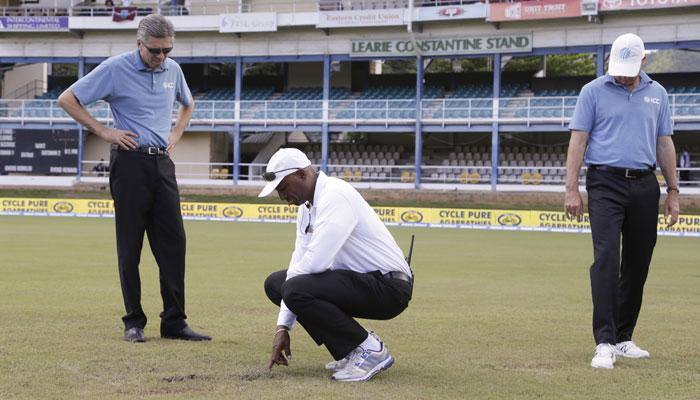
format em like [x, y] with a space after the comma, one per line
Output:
[450, 175]
[450, 111]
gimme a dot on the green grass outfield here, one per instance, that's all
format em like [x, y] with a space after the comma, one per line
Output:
[495, 315]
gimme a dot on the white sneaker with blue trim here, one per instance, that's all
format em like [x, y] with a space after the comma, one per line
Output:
[364, 364]
[336, 366]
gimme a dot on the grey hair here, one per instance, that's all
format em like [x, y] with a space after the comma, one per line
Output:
[157, 26]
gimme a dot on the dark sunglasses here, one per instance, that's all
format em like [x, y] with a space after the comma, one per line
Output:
[156, 51]
[271, 176]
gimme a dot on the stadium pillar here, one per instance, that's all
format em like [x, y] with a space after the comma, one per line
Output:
[236, 138]
[237, 124]
[494, 125]
[79, 171]
[600, 61]
[324, 122]
[419, 127]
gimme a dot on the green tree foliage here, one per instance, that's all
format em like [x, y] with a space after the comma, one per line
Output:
[571, 65]
[521, 64]
[258, 69]
[399, 67]
[475, 64]
[59, 69]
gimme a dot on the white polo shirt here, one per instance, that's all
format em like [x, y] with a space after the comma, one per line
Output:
[340, 231]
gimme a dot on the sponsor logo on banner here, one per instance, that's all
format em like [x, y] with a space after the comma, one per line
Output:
[232, 212]
[459, 216]
[451, 12]
[28, 24]
[386, 214]
[412, 216]
[551, 221]
[277, 212]
[527, 10]
[515, 11]
[63, 207]
[200, 210]
[14, 205]
[509, 219]
[614, 5]
[100, 207]
[122, 14]
[506, 43]
[339, 19]
[466, 11]
[589, 7]
[248, 22]
[559, 220]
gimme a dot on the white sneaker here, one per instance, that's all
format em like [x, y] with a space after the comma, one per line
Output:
[630, 350]
[604, 356]
[336, 366]
[364, 364]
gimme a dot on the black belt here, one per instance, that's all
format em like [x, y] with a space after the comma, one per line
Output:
[628, 173]
[151, 150]
[400, 276]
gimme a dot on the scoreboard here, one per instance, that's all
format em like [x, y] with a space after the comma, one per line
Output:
[40, 152]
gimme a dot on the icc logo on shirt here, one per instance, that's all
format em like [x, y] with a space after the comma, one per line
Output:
[652, 100]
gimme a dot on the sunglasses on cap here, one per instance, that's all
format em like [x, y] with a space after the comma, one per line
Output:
[271, 176]
[157, 50]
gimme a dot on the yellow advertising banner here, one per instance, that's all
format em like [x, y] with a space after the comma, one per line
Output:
[688, 225]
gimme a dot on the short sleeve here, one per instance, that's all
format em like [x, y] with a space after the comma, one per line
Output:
[664, 125]
[97, 85]
[183, 94]
[584, 114]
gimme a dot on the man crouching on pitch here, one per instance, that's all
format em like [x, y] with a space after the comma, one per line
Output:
[345, 264]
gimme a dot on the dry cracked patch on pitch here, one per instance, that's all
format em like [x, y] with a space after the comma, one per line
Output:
[184, 378]
[255, 375]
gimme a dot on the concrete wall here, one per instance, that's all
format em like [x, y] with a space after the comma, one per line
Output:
[278, 6]
[193, 147]
[94, 149]
[193, 40]
[21, 75]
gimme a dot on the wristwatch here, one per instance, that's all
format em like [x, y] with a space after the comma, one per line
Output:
[672, 189]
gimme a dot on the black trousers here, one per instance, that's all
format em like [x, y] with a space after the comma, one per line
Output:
[146, 199]
[326, 303]
[628, 207]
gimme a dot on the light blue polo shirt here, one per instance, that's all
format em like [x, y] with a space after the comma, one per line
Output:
[623, 127]
[141, 99]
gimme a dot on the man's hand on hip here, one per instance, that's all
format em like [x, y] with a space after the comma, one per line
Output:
[123, 139]
[281, 348]
[173, 139]
[573, 204]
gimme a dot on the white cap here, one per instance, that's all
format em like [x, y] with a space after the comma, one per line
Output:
[282, 163]
[626, 55]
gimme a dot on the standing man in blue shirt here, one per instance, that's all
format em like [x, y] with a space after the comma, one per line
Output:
[625, 120]
[141, 87]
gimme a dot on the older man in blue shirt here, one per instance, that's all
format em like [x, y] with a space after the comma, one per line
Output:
[141, 87]
[625, 120]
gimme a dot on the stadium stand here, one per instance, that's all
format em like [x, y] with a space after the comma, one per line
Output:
[365, 105]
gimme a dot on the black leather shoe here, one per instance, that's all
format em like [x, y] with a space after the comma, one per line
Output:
[185, 333]
[134, 335]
